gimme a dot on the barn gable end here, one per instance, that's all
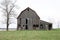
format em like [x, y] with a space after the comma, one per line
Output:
[28, 12]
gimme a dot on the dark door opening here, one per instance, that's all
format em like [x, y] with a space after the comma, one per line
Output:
[50, 26]
[26, 21]
[26, 27]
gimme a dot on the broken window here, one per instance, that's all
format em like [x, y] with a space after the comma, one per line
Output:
[35, 25]
[28, 9]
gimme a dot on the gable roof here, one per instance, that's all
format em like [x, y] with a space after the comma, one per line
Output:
[25, 10]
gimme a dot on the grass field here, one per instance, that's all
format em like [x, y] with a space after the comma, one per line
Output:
[30, 35]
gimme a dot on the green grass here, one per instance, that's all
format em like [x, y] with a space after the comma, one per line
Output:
[30, 35]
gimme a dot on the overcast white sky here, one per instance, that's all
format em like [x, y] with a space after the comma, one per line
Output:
[48, 10]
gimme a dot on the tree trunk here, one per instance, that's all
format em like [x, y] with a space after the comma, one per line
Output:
[7, 24]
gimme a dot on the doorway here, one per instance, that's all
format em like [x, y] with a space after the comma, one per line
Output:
[26, 27]
[50, 26]
[41, 26]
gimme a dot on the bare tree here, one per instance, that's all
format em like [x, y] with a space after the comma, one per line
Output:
[8, 7]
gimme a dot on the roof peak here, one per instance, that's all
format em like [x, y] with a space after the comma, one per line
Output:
[28, 8]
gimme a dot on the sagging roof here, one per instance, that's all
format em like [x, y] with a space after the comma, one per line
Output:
[41, 21]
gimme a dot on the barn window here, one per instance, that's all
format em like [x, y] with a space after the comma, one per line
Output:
[41, 25]
[28, 9]
[35, 25]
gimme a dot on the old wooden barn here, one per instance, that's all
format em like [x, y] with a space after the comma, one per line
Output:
[29, 20]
